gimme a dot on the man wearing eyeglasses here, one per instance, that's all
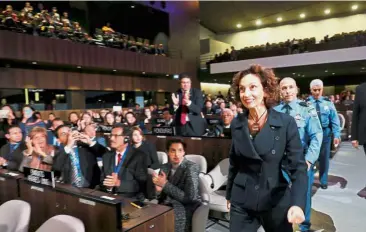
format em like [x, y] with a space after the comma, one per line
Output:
[76, 161]
[329, 121]
[124, 169]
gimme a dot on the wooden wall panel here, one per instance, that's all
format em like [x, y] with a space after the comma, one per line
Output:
[25, 78]
[34, 48]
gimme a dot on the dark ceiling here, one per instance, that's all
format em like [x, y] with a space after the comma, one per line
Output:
[222, 17]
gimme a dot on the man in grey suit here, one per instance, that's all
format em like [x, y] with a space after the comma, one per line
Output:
[177, 185]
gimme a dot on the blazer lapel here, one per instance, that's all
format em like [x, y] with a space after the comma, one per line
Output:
[179, 172]
[241, 133]
[265, 140]
[129, 155]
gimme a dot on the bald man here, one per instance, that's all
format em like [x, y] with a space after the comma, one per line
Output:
[310, 131]
[329, 120]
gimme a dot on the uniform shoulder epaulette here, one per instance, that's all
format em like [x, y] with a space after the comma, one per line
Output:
[326, 99]
[304, 104]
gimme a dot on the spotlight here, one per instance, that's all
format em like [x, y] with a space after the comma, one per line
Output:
[354, 7]
[258, 22]
[327, 11]
[302, 15]
[279, 19]
[238, 25]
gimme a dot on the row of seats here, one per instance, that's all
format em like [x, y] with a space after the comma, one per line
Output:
[15, 216]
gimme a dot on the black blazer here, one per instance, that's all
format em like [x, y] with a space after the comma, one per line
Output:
[255, 179]
[88, 163]
[133, 173]
[15, 158]
[358, 129]
[151, 155]
[194, 111]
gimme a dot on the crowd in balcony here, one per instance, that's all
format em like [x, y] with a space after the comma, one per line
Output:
[294, 46]
[50, 24]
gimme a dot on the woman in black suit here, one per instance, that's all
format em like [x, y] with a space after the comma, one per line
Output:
[267, 174]
[149, 149]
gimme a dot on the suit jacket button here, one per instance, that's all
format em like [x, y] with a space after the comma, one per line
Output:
[256, 187]
[273, 152]
[277, 138]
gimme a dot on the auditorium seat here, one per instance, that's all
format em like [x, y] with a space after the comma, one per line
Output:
[14, 216]
[163, 157]
[62, 223]
[216, 179]
[200, 160]
[200, 215]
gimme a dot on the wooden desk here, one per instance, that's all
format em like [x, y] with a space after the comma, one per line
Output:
[213, 149]
[8, 186]
[152, 218]
[97, 212]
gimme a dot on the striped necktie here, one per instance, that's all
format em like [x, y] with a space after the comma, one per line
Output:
[76, 177]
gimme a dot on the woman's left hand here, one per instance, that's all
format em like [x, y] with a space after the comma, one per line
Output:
[295, 215]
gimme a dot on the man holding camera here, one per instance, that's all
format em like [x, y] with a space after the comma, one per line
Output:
[76, 163]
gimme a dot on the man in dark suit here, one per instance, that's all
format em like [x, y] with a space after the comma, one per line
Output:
[358, 133]
[76, 163]
[188, 104]
[51, 137]
[124, 168]
[177, 185]
[11, 154]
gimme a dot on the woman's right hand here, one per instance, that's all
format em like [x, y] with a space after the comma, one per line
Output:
[29, 145]
[228, 204]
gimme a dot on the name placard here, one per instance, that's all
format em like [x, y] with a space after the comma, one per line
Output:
[213, 121]
[164, 130]
[39, 176]
[160, 120]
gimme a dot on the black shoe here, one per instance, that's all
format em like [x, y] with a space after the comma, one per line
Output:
[324, 186]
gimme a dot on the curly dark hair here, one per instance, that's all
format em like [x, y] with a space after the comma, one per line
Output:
[268, 79]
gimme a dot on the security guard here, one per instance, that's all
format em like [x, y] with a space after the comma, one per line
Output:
[329, 120]
[310, 130]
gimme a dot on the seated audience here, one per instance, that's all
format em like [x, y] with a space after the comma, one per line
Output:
[5, 123]
[177, 185]
[11, 154]
[39, 154]
[168, 119]
[124, 169]
[223, 129]
[76, 163]
[208, 108]
[149, 149]
[52, 140]
[73, 119]
[29, 120]
[91, 131]
[131, 121]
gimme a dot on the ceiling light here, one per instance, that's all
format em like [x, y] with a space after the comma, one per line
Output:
[298, 74]
[302, 15]
[143, 72]
[354, 7]
[176, 76]
[333, 73]
[363, 68]
[114, 70]
[327, 11]
[78, 66]
[34, 62]
[279, 19]
[258, 22]
[167, 75]
[326, 71]
[214, 79]
[238, 25]
[132, 6]
[303, 75]
[293, 73]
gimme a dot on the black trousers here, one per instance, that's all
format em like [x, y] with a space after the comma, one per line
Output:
[274, 220]
[364, 148]
[185, 130]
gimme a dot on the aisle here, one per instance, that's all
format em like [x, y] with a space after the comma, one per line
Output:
[342, 206]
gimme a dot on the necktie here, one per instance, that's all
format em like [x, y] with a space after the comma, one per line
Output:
[119, 158]
[317, 106]
[13, 147]
[183, 115]
[287, 109]
[76, 177]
